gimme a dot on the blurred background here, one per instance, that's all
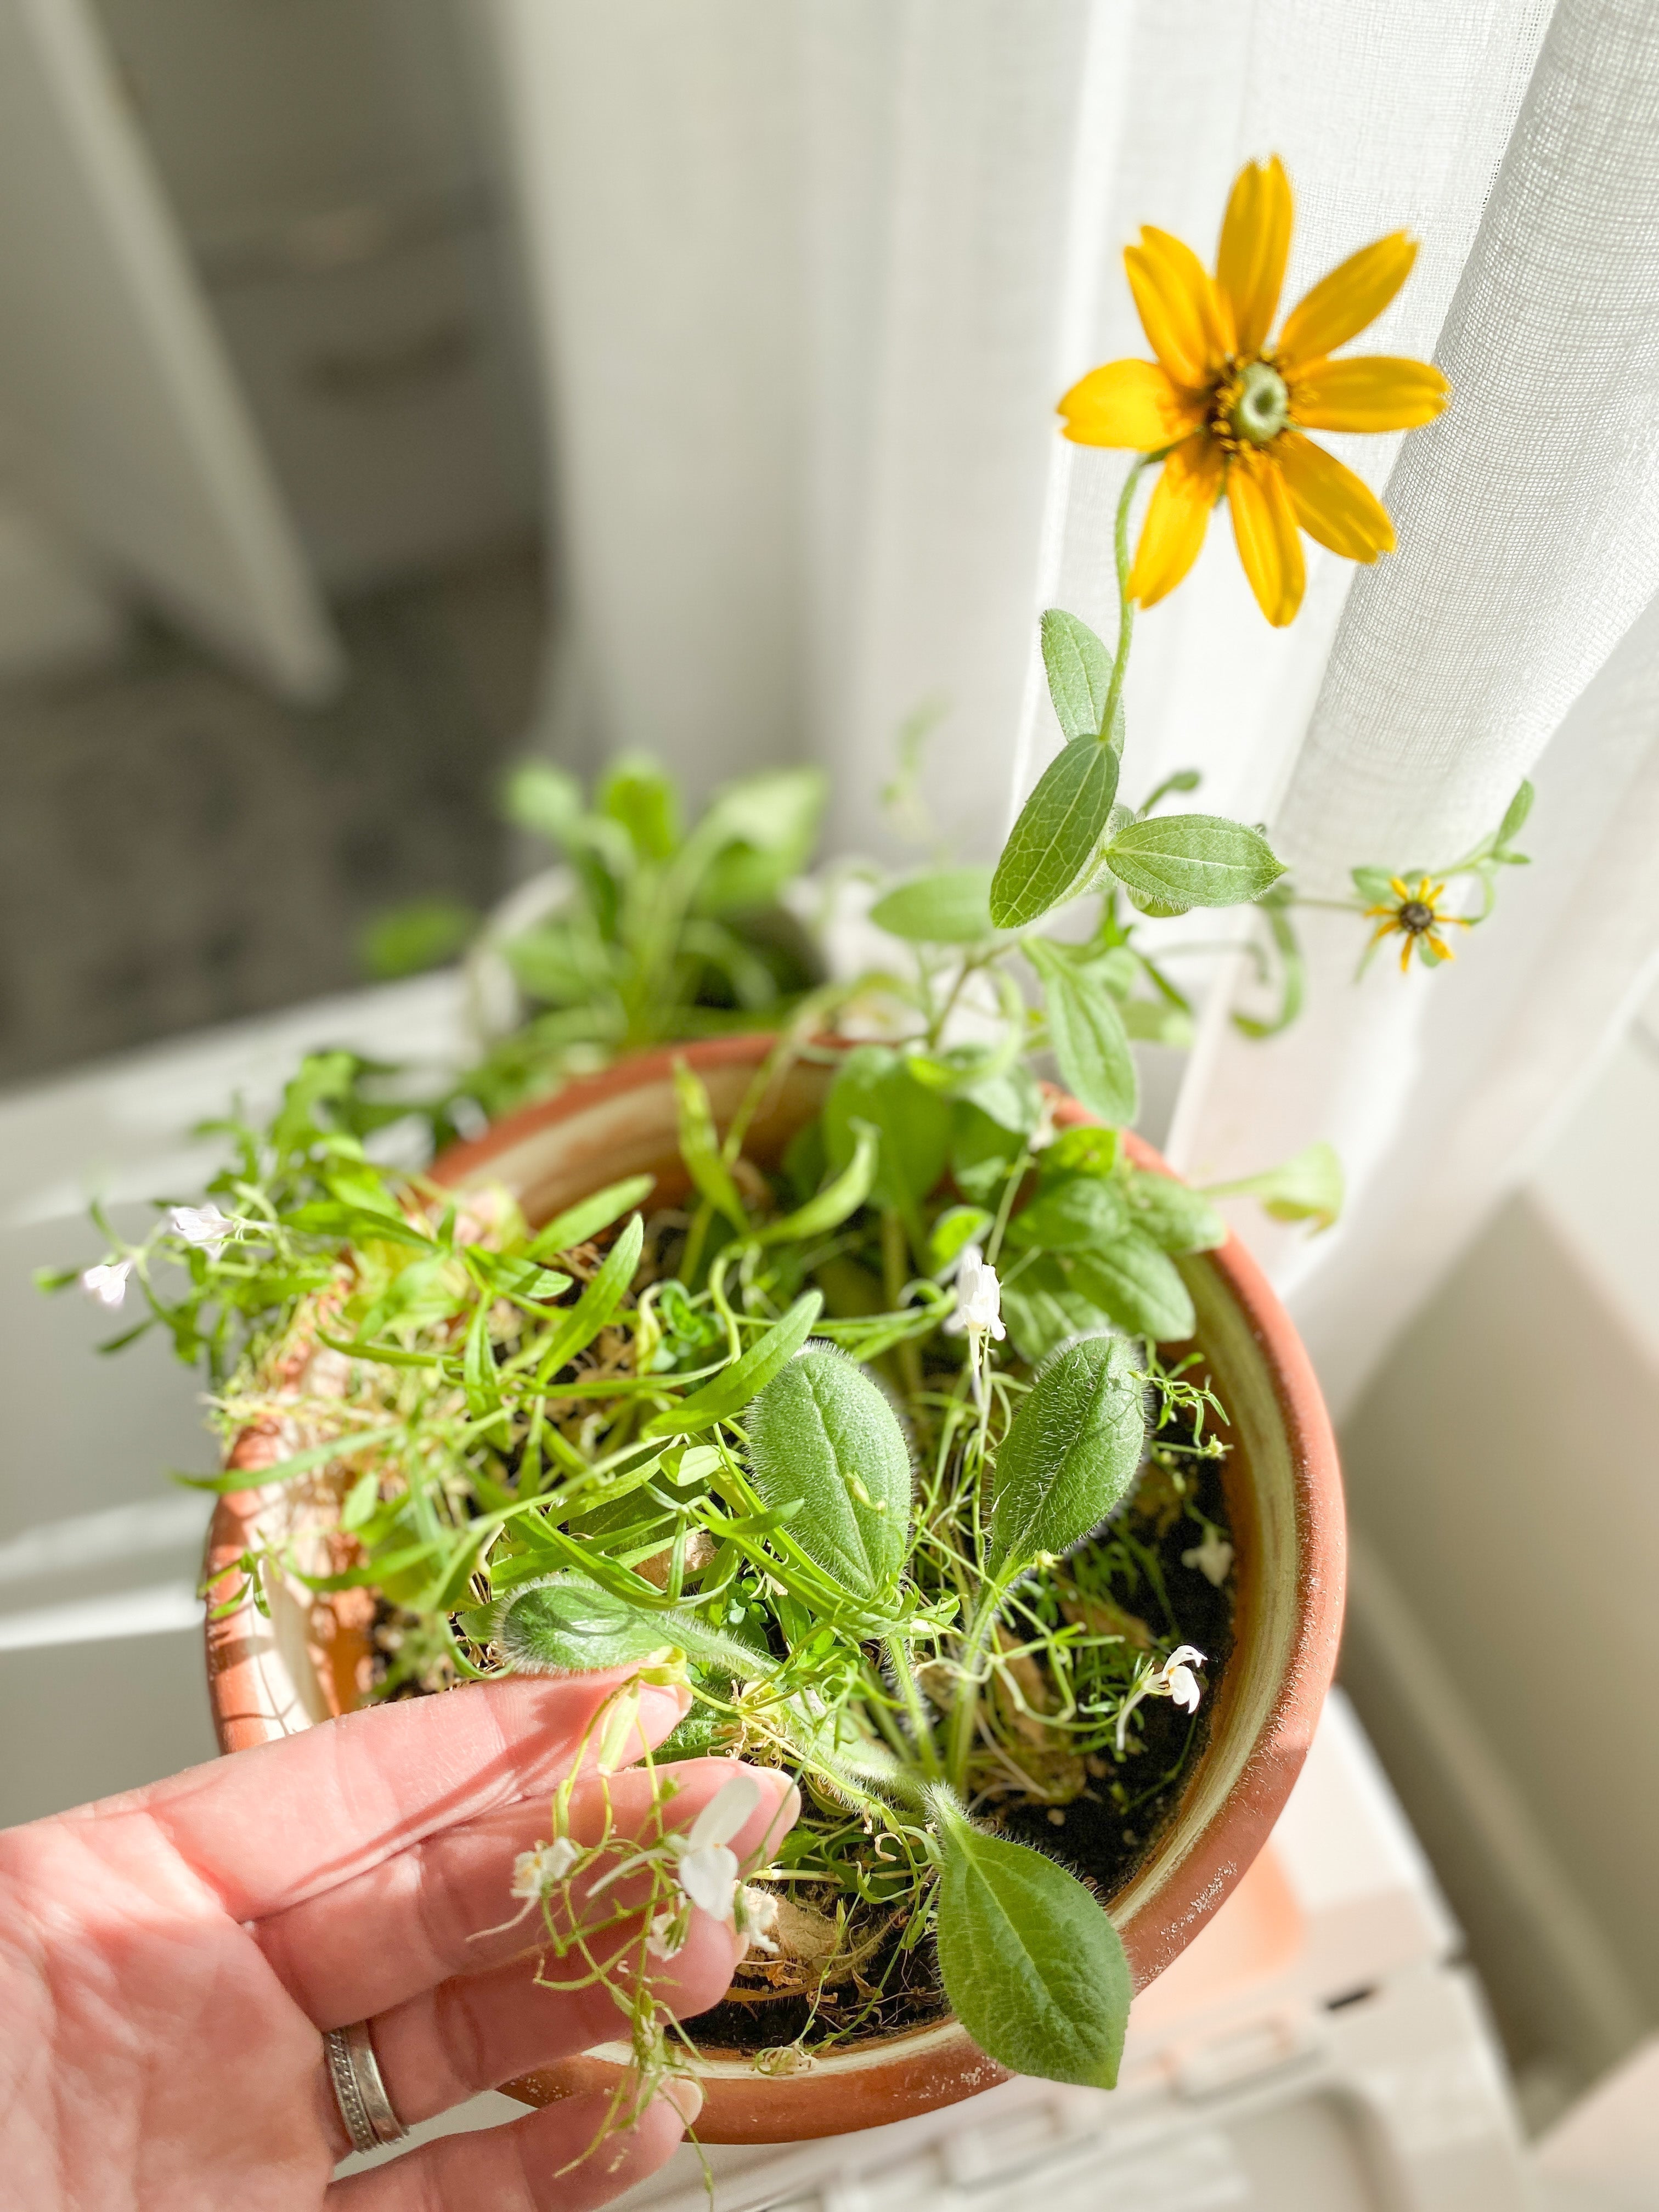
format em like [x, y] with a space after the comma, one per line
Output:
[391, 390]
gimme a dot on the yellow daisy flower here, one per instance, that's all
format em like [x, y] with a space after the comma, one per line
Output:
[1416, 914]
[1232, 409]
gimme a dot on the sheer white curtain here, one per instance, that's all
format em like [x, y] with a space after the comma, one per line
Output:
[812, 275]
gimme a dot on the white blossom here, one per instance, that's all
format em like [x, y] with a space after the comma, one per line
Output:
[1176, 1679]
[107, 1283]
[667, 1934]
[979, 1299]
[1213, 1558]
[203, 1226]
[535, 1872]
[757, 1918]
[708, 1869]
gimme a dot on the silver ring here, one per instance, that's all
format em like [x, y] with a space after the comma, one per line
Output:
[355, 2074]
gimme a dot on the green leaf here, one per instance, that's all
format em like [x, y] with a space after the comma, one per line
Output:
[823, 1433]
[578, 1328]
[761, 830]
[1141, 1289]
[1086, 1030]
[1306, 1187]
[545, 800]
[700, 1148]
[1181, 860]
[731, 1391]
[982, 1150]
[1012, 1097]
[1089, 1149]
[407, 940]
[874, 1084]
[1177, 1218]
[1051, 852]
[1375, 884]
[1154, 1021]
[1070, 1453]
[479, 1373]
[1079, 669]
[956, 1228]
[1043, 1311]
[1514, 819]
[564, 1624]
[1073, 1214]
[645, 800]
[831, 1205]
[950, 908]
[1032, 1966]
[589, 1216]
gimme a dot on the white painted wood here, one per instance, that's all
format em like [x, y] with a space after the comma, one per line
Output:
[116, 402]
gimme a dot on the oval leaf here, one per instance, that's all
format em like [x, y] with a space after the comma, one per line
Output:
[1176, 1218]
[1052, 850]
[1033, 1967]
[1133, 1281]
[950, 908]
[563, 1624]
[1070, 1453]
[1090, 1041]
[823, 1433]
[1079, 672]
[1071, 1215]
[874, 1084]
[1173, 861]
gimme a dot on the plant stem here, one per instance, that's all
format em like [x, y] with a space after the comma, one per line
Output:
[921, 1727]
[965, 1711]
[1125, 612]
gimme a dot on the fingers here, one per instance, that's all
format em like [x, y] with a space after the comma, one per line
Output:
[288, 1820]
[417, 1920]
[562, 2159]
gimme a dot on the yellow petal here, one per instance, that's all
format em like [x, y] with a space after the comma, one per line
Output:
[1177, 515]
[1354, 294]
[1179, 310]
[1369, 391]
[1255, 241]
[1129, 403]
[1264, 526]
[1331, 503]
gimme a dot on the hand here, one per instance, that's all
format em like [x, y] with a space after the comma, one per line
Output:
[168, 1960]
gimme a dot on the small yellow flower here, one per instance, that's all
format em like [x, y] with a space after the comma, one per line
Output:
[1416, 913]
[1232, 409]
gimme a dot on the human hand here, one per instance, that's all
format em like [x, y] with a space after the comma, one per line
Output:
[169, 1959]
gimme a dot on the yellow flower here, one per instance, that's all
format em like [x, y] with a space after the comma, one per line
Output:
[1415, 912]
[1232, 409]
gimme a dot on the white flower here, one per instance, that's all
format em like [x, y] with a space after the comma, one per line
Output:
[1176, 1679]
[708, 1869]
[535, 1872]
[107, 1282]
[756, 1918]
[204, 1226]
[667, 1939]
[979, 1299]
[1213, 1558]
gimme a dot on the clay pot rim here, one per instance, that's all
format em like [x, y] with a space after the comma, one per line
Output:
[1215, 1857]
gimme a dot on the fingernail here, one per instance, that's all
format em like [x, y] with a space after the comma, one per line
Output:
[684, 2095]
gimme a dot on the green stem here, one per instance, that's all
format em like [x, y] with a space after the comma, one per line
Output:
[965, 1711]
[921, 1727]
[1125, 609]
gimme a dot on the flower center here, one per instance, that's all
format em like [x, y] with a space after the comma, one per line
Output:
[1416, 917]
[1263, 405]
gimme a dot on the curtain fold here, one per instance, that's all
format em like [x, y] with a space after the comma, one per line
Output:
[812, 274]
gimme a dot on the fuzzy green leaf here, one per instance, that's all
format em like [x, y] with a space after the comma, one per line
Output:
[731, 1391]
[1090, 1041]
[1033, 1967]
[823, 1433]
[1306, 1187]
[1071, 1452]
[1174, 861]
[1137, 1286]
[1079, 671]
[1050, 853]
[563, 1624]
[950, 908]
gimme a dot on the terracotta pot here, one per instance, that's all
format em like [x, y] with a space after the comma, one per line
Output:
[270, 1677]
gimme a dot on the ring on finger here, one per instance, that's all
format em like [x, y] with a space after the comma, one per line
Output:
[360, 2090]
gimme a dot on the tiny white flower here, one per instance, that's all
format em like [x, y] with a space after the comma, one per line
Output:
[1213, 1558]
[757, 1918]
[535, 1872]
[979, 1299]
[708, 1869]
[1176, 1679]
[667, 1939]
[106, 1284]
[204, 1226]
